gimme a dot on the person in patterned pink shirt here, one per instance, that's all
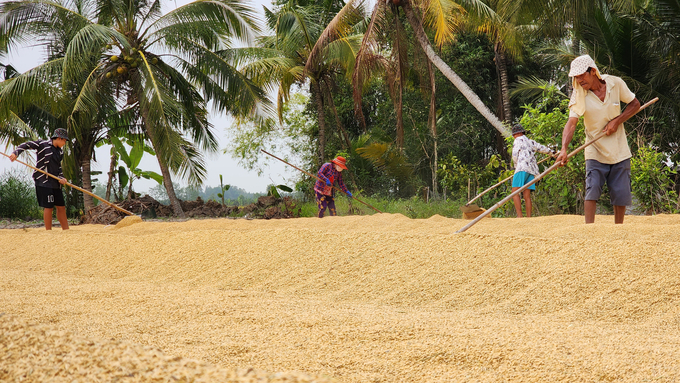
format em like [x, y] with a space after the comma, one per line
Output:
[329, 173]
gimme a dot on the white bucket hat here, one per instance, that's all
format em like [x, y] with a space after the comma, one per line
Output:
[579, 66]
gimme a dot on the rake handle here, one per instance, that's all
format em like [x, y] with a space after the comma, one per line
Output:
[315, 177]
[499, 183]
[73, 186]
[550, 169]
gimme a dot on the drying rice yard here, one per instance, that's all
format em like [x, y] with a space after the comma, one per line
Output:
[379, 298]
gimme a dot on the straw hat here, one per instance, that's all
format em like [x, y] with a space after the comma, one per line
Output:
[340, 161]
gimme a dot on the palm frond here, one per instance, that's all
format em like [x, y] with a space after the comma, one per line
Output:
[24, 21]
[532, 88]
[85, 48]
[226, 17]
[445, 18]
[37, 86]
[388, 159]
[229, 89]
[338, 29]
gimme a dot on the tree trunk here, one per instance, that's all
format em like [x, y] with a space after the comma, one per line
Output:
[450, 74]
[165, 172]
[112, 172]
[170, 189]
[504, 88]
[341, 128]
[85, 164]
[322, 121]
[432, 122]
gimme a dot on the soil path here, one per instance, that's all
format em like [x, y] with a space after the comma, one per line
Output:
[379, 298]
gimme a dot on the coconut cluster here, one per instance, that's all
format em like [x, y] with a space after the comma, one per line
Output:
[128, 60]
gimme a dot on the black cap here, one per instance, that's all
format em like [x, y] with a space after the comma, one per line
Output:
[518, 128]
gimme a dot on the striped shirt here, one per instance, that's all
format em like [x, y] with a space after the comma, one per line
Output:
[328, 172]
[49, 160]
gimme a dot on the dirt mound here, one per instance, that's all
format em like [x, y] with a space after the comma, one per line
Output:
[41, 353]
[267, 207]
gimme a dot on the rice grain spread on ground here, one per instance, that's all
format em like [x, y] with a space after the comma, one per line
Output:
[379, 298]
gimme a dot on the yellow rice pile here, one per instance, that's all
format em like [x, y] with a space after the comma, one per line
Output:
[357, 299]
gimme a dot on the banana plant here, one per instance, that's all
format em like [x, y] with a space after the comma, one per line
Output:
[132, 160]
[223, 189]
[274, 190]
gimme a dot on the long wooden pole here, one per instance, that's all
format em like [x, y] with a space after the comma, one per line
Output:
[550, 169]
[74, 186]
[498, 184]
[313, 176]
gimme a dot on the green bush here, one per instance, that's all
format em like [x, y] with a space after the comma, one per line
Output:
[17, 196]
[651, 182]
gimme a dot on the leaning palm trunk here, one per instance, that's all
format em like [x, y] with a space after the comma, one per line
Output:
[449, 73]
[398, 107]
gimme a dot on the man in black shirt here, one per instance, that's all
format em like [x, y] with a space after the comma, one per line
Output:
[47, 189]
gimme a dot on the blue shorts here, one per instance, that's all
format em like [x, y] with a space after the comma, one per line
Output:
[617, 177]
[522, 178]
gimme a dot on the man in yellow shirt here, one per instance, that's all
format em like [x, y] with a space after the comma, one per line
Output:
[597, 98]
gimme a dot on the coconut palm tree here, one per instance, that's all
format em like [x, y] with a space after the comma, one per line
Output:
[152, 63]
[439, 15]
[300, 51]
[508, 24]
[444, 17]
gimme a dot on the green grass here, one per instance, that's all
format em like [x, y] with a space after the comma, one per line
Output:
[412, 208]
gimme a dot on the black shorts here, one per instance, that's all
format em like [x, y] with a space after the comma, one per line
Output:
[49, 198]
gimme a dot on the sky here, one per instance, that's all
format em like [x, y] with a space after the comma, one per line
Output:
[274, 172]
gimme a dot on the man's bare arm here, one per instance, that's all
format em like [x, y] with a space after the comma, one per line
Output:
[567, 135]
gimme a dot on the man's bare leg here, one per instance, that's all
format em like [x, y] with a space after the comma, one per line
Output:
[619, 213]
[527, 202]
[518, 203]
[589, 208]
[61, 216]
[47, 217]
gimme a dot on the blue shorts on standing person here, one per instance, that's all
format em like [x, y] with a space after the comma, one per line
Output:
[617, 177]
[522, 178]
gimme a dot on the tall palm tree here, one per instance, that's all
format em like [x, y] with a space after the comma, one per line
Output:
[507, 24]
[300, 51]
[444, 17]
[154, 64]
[439, 15]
